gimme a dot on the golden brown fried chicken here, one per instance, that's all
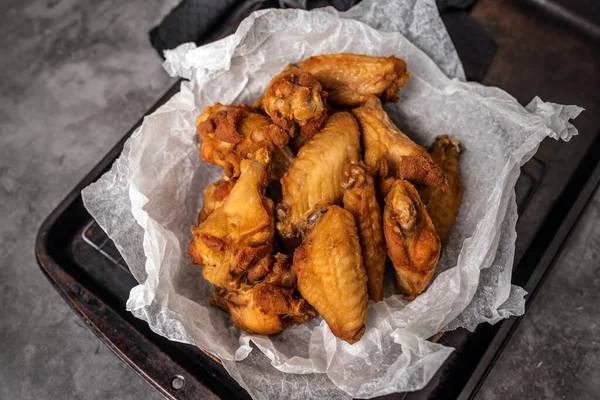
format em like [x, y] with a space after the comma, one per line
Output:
[316, 175]
[443, 206]
[268, 306]
[390, 153]
[214, 195]
[330, 272]
[413, 245]
[229, 133]
[350, 79]
[296, 102]
[360, 199]
[236, 239]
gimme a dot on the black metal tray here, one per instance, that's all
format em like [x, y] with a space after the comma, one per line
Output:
[86, 269]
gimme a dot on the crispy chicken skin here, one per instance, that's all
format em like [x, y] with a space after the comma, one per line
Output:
[296, 102]
[214, 195]
[443, 206]
[413, 245]
[390, 153]
[330, 272]
[229, 133]
[360, 199]
[268, 306]
[236, 239]
[350, 79]
[316, 175]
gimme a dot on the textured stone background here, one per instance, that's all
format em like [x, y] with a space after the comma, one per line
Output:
[74, 77]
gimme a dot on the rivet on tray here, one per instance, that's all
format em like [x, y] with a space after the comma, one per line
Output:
[178, 382]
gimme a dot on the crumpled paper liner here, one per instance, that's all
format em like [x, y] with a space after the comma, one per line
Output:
[148, 200]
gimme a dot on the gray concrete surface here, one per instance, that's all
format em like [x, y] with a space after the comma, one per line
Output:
[555, 351]
[74, 77]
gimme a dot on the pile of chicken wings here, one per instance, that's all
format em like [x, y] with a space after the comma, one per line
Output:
[320, 189]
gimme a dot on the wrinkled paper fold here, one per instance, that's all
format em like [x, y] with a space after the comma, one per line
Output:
[148, 200]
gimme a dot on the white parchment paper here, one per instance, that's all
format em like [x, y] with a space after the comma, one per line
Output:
[152, 194]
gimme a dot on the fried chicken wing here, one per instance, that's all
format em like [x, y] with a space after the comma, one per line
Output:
[413, 245]
[236, 239]
[229, 133]
[350, 79]
[316, 175]
[330, 272]
[389, 152]
[296, 102]
[268, 306]
[360, 199]
[214, 195]
[443, 206]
